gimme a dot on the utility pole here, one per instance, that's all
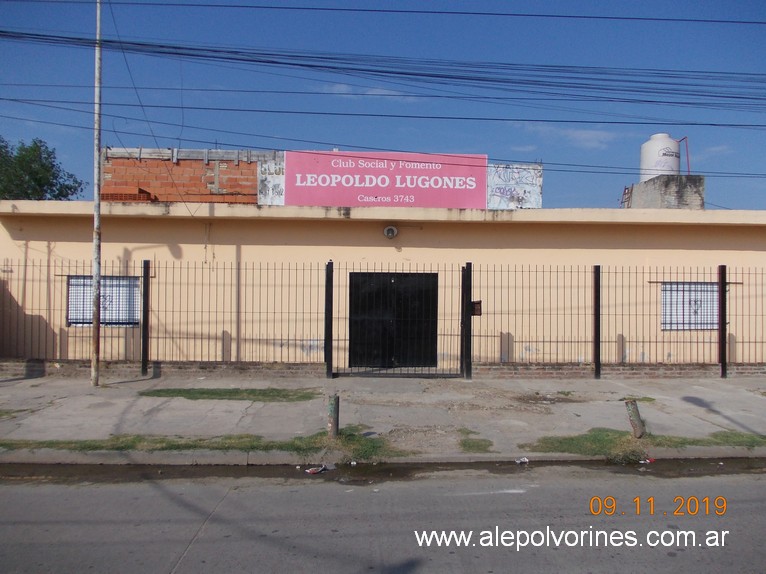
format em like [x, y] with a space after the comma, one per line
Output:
[95, 354]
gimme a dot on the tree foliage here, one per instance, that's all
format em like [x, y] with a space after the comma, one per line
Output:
[32, 172]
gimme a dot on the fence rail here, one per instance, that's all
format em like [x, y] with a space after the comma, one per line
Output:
[276, 312]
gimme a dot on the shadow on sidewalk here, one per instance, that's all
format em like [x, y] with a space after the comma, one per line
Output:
[702, 403]
[33, 369]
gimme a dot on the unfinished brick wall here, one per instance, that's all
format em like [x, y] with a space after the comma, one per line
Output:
[173, 179]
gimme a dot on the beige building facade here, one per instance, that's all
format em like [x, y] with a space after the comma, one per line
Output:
[249, 283]
[209, 232]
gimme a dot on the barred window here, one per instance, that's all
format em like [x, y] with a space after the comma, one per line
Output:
[120, 301]
[689, 306]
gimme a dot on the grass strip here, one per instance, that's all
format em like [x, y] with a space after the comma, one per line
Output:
[359, 445]
[351, 443]
[621, 446]
[148, 443]
[472, 444]
[268, 395]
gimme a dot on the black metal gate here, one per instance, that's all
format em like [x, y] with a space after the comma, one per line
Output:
[392, 319]
[395, 321]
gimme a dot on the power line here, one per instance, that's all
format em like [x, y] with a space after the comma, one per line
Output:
[743, 92]
[410, 96]
[421, 12]
[349, 114]
[685, 89]
[519, 84]
[494, 75]
[549, 166]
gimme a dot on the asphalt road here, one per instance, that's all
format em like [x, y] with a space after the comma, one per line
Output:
[536, 519]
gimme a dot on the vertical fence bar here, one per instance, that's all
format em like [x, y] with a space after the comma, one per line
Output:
[145, 319]
[466, 364]
[461, 345]
[328, 293]
[597, 321]
[722, 319]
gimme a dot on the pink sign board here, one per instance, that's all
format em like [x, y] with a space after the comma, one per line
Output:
[374, 179]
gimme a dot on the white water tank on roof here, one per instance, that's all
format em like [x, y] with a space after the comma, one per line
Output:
[660, 155]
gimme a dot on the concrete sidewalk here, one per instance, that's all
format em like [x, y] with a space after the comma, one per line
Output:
[421, 416]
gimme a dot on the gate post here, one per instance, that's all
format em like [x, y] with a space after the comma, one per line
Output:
[597, 321]
[145, 318]
[466, 348]
[722, 319]
[328, 310]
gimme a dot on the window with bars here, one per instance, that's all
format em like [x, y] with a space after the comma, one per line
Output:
[120, 301]
[688, 306]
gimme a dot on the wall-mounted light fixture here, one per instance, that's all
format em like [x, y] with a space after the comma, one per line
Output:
[390, 231]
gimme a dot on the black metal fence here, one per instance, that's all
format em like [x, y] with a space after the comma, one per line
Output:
[237, 312]
[620, 315]
[386, 318]
[197, 311]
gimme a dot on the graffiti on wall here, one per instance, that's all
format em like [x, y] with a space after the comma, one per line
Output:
[515, 186]
[271, 181]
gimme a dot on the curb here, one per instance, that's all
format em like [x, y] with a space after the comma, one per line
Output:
[275, 458]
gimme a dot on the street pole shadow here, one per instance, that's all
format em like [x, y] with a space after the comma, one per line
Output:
[156, 373]
[702, 403]
[251, 528]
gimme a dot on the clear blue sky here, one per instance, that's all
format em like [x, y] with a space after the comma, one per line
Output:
[503, 78]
